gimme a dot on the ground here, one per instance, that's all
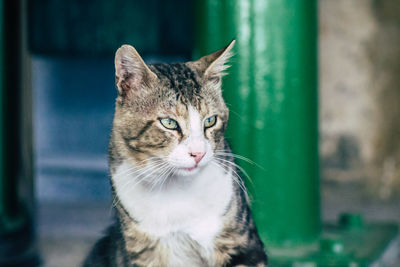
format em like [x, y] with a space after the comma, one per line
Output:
[68, 229]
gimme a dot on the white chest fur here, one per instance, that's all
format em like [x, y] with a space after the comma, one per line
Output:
[193, 208]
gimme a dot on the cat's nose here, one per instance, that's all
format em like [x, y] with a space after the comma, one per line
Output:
[197, 156]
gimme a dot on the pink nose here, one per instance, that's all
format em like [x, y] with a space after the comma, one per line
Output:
[197, 156]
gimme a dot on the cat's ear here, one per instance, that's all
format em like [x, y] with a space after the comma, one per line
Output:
[212, 66]
[131, 72]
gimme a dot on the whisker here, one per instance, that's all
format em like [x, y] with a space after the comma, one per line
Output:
[135, 168]
[237, 166]
[154, 170]
[138, 179]
[236, 173]
[169, 174]
[161, 177]
[235, 177]
[228, 153]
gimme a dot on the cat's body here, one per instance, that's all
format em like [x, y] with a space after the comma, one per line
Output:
[176, 189]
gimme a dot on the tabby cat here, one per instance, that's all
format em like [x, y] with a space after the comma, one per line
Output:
[178, 197]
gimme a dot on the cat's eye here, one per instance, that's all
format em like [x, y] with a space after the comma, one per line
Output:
[210, 121]
[169, 123]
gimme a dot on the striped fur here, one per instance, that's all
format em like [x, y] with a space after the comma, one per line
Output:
[223, 234]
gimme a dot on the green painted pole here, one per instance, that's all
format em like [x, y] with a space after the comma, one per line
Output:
[9, 212]
[272, 95]
[17, 246]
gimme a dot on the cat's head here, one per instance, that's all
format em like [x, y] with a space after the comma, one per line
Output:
[172, 115]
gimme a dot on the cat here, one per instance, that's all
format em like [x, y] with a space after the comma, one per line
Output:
[179, 200]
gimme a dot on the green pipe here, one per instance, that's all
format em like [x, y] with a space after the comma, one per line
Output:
[16, 229]
[10, 218]
[3, 182]
[271, 91]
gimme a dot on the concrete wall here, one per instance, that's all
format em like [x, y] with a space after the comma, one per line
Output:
[360, 93]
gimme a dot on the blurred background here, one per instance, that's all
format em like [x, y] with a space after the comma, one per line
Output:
[58, 101]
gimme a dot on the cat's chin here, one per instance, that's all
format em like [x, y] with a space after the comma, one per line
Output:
[187, 171]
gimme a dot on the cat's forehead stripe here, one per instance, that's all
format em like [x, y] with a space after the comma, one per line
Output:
[181, 79]
[179, 74]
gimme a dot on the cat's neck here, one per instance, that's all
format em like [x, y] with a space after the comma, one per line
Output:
[179, 207]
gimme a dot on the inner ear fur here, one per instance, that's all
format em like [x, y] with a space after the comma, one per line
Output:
[213, 66]
[131, 72]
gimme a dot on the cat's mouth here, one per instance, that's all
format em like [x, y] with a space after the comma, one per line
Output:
[191, 168]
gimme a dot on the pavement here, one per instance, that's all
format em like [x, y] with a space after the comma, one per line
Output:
[68, 229]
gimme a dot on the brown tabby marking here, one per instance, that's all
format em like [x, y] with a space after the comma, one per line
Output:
[147, 94]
